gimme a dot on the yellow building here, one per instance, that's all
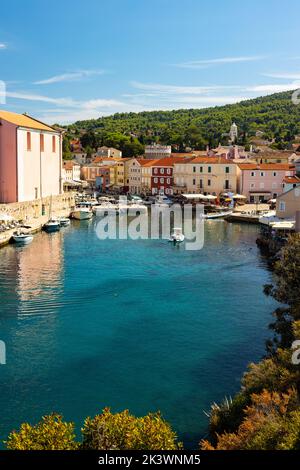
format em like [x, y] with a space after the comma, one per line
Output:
[288, 204]
[206, 175]
[118, 168]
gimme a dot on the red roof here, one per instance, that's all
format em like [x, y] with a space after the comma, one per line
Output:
[291, 179]
[266, 166]
[165, 162]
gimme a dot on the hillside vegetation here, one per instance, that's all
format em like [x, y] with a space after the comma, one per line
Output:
[275, 115]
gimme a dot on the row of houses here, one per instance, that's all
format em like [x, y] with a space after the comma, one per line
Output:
[31, 167]
[177, 175]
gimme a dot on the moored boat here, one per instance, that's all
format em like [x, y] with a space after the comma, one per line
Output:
[82, 213]
[22, 238]
[216, 215]
[64, 221]
[52, 225]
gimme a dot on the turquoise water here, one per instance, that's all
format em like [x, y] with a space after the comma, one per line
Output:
[141, 325]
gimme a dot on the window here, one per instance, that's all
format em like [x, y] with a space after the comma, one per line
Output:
[208, 182]
[194, 169]
[262, 173]
[53, 143]
[42, 145]
[194, 182]
[162, 171]
[201, 169]
[155, 180]
[274, 173]
[162, 181]
[28, 141]
[261, 185]
[252, 173]
[252, 185]
[155, 170]
[274, 185]
[226, 184]
[168, 180]
[36, 193]
[227, 169]
[168, 171]
[201, 184]
[209, 169]
[282, 206]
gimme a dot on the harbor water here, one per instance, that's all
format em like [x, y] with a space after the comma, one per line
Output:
[140, 325]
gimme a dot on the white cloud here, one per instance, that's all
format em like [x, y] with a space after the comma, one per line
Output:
[194, 64]
[287, 75]
[101, 103]
[69, 77]
[2, 46]
[273, 88]
[174, 90]
[42, 98]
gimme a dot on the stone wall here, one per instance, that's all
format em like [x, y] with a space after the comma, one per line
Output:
[61, 204]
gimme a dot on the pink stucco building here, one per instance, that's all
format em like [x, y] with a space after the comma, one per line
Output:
[30, 159]
[261, 182]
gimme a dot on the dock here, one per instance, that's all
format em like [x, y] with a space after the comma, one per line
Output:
[31, 226]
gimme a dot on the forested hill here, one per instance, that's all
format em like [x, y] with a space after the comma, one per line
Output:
[275, 115]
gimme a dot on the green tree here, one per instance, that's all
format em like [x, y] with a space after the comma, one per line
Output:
[66, 148]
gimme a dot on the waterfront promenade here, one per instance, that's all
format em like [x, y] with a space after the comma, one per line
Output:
[34, 214]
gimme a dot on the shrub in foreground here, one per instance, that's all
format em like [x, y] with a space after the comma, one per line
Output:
[272, 422]
[124, 431]
[105, 431]
[51, 433]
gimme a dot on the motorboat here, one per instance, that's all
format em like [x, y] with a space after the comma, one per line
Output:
[82, 213]
[162, 201]
[216, 215]
[53, 225]
[22, 238]
[64, 221]
[177, 235]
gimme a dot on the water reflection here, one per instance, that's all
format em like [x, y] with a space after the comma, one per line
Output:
[34, 273]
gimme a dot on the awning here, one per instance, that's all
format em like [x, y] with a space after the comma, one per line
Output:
[259, 193]
[239, 196]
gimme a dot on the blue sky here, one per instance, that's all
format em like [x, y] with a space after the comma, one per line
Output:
[75, 59]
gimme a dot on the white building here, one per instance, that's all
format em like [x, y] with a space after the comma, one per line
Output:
[71, 173]
[30, 158]
[233, 134]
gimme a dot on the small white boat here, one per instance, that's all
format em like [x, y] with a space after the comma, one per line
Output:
[52, 225]
[22, 238]
[82, 213]
[162, 201]
[177, 235]
[216, 215]
[64, 221]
